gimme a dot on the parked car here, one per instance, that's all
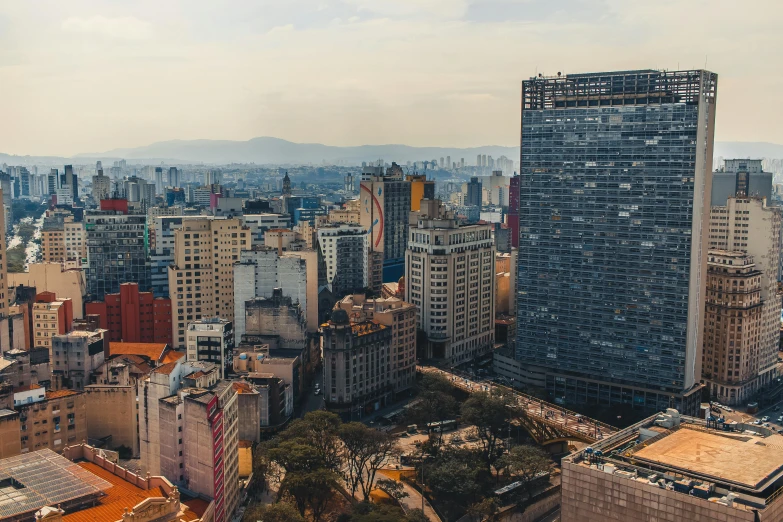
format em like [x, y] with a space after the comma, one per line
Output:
[764, 419]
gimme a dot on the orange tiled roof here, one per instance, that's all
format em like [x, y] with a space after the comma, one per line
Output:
[60, 393]
[196, 508]
[242, 387]
[110, 507]
[154, 351]
[166, 369]
[196, 375]
[172, 356]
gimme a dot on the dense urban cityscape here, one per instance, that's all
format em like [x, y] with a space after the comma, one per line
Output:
[586, 327]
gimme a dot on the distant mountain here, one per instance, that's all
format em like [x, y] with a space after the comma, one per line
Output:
[279, 152]
[275, 151]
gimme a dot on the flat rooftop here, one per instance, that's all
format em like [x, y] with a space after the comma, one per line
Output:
[745, 459]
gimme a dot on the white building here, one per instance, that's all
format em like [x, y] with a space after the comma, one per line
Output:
[450, 277]
[345, 248]
[211, 340]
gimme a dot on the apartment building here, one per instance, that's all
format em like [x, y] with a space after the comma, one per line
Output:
[199, 444]
[75, 356]
[263, 269]
[450, 278]
[400, 317]
[133, 316]
[201, 279]
[732, 327]
[344, 249]
[50, 419]
[357, 367]
[51, 316]
[747, 224]
[112, 411]
[211, 340]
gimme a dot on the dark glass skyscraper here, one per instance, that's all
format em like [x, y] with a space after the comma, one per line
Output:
[615, 179]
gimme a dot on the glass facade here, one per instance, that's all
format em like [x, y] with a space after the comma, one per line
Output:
[610, 171]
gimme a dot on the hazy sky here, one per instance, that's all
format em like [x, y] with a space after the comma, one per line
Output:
[89, 76]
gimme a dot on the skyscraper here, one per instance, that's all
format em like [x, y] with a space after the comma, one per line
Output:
[474, 192]
[386, 206]
[513, 210]
[615, 180]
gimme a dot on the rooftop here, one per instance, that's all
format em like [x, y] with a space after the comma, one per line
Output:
[154, 351]
[120, 495]
[58, 394]
[745, 459]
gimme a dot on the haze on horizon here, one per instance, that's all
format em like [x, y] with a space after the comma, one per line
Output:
[94, 75]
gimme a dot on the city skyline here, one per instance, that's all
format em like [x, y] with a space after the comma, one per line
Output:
[383, 72]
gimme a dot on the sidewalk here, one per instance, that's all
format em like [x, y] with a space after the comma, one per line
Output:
[413, 500]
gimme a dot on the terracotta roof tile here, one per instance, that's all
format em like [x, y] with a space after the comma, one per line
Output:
[172, 356]
[154, 351]
[110, 507]
[60, 393]
[166, 369]
[242, 387]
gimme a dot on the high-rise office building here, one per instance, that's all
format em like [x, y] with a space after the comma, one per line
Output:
[173, 177]
[421, 188]
[211, 340]
[450, 278]
[474, 193]
[70, 181]
[513, 211]
[385, 209]
[116, 249]
[159, 180]
[101, 187]
[741, 176]
[201, 279]
[613, 236]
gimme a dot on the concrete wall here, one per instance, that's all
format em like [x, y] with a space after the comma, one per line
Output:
[249, 416]
[49, 277]
[111, 410]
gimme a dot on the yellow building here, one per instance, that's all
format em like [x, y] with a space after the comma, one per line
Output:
[201, 280]
[420, 189]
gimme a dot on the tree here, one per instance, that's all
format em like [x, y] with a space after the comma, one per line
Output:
[392, 488]
[436, 404]
[525, 463]
[280, 512]
[320, 430]
[311, 489]
[364, 451]
[416, 515]
[489, 414]
[486, 509]
[455, 477]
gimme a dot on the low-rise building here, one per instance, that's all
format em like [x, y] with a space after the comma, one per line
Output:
[672, 467]
[50, 419]
[75, 356]
[112, 416]
[51, 316]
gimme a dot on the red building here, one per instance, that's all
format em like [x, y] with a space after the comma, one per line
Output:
[134, 317]
[513, 211]
[115, 204]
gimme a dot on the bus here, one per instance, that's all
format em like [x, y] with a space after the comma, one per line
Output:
[439, 427]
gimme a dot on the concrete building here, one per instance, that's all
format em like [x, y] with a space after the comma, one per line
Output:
[474, 193]
[505, 283]
[260, 223]
[357, 369]
[54, 278]
[255, 360]
[400, 317]
[51, 316]
[101, 187]
[623, 264]
[4, 285]
[20, 368]
[344, 216]
[741, 177]
[112, 412]
[165, 381]
[133, 316]
[747, 224]
[386, 204]
[211, 340]
[249, 403]
[116, 249]
[200, 444]
[731, 354]
[10, 443]
[450, 278]
[421, 188]
[75, 356]
[513, 210]
[344, 249]
[50, 419]
[262, 270]
[677, 468]
[201, 279]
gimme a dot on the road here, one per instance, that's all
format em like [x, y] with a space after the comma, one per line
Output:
[534, 407]
[554, 516]
[413, 500]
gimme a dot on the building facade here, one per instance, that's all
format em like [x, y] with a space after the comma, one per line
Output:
[211, 340]
[357, 374]
[747, 224]
[385, 209]
[201, 279]
[613, 241]
[51, 316]
[50, 419]
[731, 355]
[450, 278]
[400, 317]
[344, 249]
[75, 356]
[116, 249]
[134, 317]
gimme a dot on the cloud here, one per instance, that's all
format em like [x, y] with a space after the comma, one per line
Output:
[406, 8]
[280, 29]
[126, 27]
